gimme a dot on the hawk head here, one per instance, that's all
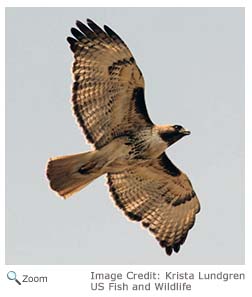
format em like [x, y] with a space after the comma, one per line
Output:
[172, 133]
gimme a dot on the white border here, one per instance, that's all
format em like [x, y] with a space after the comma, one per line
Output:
[74, 280]
[127, 3]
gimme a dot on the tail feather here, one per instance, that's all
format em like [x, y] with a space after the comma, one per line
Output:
[70, 174]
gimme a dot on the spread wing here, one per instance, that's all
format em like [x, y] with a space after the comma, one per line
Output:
[161, 197]
[108, 90]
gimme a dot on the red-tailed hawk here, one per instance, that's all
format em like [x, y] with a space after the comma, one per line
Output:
[108, 101]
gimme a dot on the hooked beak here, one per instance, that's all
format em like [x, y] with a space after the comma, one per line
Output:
[185, 132]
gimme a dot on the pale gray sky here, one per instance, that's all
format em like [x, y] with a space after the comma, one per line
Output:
[193, 63]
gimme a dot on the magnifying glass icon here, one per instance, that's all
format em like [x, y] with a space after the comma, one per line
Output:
[11, 275]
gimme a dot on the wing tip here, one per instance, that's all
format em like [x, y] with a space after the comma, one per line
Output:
[77, 34]
[92, 31]
[172, 247]
[78, 22]
[72, 42]
[133, 216]
[90, 21]
[169, 249]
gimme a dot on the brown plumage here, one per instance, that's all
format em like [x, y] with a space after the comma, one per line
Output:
[108, 101]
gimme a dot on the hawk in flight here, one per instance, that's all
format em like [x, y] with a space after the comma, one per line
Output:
[108, 102]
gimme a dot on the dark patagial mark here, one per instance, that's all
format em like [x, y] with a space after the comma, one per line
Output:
[168, 166]
[140, 106]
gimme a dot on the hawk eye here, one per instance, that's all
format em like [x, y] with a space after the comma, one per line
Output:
[177, 127]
